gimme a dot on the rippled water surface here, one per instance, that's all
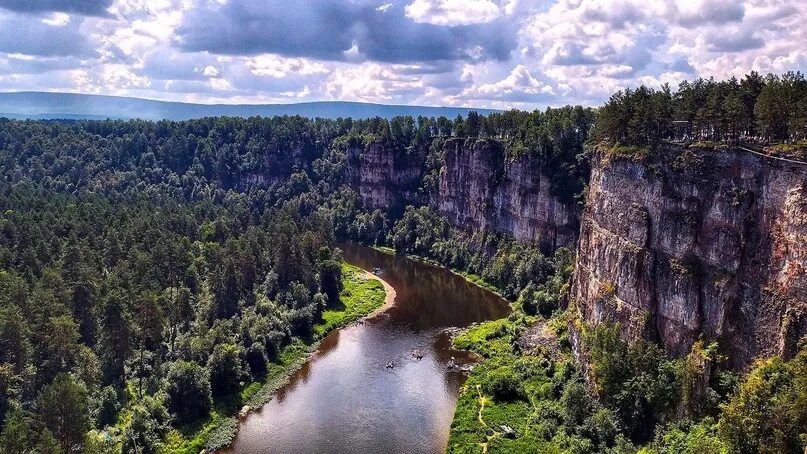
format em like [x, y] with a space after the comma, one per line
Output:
[345, 400]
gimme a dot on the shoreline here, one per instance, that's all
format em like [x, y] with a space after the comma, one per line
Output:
[270, 388]
[434, 263]
[389, 298]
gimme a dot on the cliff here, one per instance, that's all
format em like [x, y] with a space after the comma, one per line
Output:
[383, 177]
[479, 188]
[699, 243]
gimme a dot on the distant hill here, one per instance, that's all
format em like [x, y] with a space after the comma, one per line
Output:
[42, 105]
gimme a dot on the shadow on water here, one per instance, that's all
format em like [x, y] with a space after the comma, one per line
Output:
[344, 399]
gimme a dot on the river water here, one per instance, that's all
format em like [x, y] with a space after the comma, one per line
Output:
[345, 399]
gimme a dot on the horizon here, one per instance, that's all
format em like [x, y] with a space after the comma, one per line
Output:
[202, 103]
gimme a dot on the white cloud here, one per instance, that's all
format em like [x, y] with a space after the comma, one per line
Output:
[566, 51]
[518, 85]
[277, 66]
[57, 19]
[210, 71]
[452, 12]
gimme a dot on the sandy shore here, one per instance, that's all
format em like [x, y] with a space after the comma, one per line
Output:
[389, 300]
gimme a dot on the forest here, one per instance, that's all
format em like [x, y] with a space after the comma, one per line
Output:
[755, 109]
[154, 274]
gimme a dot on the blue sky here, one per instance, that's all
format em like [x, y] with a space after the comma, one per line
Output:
[481, 53]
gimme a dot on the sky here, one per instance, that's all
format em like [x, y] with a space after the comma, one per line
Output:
[479, 53]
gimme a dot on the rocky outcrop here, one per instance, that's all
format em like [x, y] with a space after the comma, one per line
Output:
[481, 188]
[383, 177]
[700, 243]
[478, 188]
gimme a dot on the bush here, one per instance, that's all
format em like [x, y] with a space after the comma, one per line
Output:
[769, 412]
[539, 301]
[686, 438]
[636, 381]
[256, 360]
[146, 427]
[576, 404]
[503, 384]
[108, 403]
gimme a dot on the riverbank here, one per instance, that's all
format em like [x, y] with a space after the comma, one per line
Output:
[363, 295]
[470, 277]
[524, 361]
[389, 290]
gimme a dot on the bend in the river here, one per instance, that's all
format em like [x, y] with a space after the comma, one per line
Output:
[364, 390]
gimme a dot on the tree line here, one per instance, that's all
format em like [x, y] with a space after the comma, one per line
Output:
[761, 109]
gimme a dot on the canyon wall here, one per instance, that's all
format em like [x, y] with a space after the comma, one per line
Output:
[383, 177]
[478, 187]
[708, 243]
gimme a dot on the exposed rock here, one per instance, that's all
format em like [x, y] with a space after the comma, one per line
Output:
[479, 188]
[384, 178]
[711, 242]
[507, 431]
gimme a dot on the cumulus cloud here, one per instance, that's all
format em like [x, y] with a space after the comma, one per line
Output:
[452, 12]
[518, 86]
[484, 53]
[87, 7]
[696, 12]
[337, 31]
[733, 40]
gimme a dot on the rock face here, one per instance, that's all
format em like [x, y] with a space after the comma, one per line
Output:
[478, 188]
[383, 178]
[709, 243]
[482, 189]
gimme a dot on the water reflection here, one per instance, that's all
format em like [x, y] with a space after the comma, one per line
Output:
[345, 400]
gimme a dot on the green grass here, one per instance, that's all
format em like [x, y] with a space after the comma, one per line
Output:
[360, 296]
[797, 150]
[479, 415]
[630, 152]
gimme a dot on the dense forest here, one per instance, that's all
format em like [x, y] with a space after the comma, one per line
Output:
[152, 272]
[753, 109]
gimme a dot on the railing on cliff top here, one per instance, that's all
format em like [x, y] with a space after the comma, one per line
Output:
[756, 149]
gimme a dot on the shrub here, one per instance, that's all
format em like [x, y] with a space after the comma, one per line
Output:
[225, 369]
[769, 412]
[503, 384]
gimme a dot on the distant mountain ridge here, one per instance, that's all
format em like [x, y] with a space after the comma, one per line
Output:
[45, 105]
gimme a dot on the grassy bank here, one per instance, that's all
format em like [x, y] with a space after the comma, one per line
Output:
[510, 387]
[360, 296]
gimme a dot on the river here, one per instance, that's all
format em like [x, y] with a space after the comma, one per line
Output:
[346, 400]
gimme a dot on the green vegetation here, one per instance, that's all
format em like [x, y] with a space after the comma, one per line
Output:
[359, 297]
[707, 112]
[155, 277]
[489, 260]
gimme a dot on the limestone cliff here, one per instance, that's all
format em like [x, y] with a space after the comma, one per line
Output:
[478, 187]
[383, 177]
[699, 243]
